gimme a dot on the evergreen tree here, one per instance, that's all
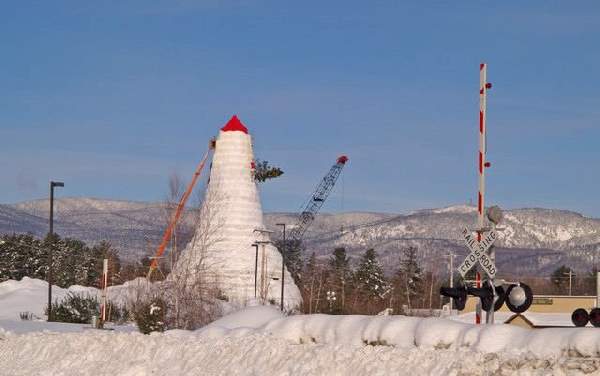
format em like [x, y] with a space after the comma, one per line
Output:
[73, 262]
[370, 280]
[104, 250]
[340, 276]
[21, 256]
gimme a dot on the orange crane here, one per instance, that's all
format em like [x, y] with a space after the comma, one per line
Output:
[173, 222]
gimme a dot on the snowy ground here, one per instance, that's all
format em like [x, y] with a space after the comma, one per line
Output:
[252, 354]
[259, 340]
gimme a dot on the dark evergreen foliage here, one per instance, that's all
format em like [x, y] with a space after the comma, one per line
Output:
[264, 172]
[150, 317]
[75, 308]
[369, 276]
[73, 262]
[339, 279]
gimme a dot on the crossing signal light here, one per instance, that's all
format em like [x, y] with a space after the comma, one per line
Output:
[486, 295]
[580, 317]
[519, 297]
[595, 317]
[457, 294]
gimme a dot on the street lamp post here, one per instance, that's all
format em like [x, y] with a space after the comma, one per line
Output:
[283, 252]
[51, 250]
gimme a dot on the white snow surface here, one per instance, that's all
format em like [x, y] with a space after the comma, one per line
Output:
[31, 295]
[261, 340]
[308, 345]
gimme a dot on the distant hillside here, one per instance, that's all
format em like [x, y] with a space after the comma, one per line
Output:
[533, 240]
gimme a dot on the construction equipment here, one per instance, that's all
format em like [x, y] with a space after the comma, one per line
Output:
[173, 222]
[316, 200]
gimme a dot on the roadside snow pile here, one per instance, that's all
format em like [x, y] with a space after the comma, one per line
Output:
[192, 353]
[99, 353]
[249, 317]
[410, 332]
[31, 295]
[260, 340]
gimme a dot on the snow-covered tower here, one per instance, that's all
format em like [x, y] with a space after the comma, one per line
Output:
[231, 213]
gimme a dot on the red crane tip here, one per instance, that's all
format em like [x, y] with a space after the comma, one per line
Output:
[342, 159]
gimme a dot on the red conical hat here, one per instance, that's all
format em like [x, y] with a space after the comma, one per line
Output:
[234, 124]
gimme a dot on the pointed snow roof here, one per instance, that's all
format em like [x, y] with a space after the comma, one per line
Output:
[234, 124]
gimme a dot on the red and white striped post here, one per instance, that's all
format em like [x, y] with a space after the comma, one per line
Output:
[483, 86]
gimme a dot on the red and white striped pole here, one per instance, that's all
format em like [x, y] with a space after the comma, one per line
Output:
[483, 86]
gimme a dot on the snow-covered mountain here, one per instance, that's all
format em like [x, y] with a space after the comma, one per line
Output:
[540, 239]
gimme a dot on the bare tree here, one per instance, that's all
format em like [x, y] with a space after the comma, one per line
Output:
[182, 229]
[192, 288]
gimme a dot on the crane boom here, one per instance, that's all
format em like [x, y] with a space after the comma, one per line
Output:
[315, 202]
[169, 231]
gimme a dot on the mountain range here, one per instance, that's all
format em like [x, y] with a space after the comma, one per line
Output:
[532, 241]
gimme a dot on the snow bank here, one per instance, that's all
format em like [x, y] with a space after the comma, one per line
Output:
[31, 295]
[405, 332]
[260, 340]
[249, 317]
[188, 353]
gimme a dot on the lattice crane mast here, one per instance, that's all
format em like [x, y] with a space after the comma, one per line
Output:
[316, 200]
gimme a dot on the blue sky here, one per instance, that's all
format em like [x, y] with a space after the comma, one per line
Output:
[113, 96]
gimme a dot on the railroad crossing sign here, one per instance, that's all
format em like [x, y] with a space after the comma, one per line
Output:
[478, 253]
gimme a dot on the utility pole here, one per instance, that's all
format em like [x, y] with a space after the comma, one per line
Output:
[51, 250]
[283, 253]
[570, 274]
[597, 289]
[451, 255]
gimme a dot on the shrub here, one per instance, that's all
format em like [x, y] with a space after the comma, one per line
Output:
[75, 308]
[150, 316]
[79, 309]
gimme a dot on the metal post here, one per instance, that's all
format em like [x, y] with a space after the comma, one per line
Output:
[255, 269]
[597, 289]
[490, 313]
[570, 284]
[51, 250]
[283, 253]
[451, 255]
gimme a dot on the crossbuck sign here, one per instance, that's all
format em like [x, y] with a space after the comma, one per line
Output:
[478, 253]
